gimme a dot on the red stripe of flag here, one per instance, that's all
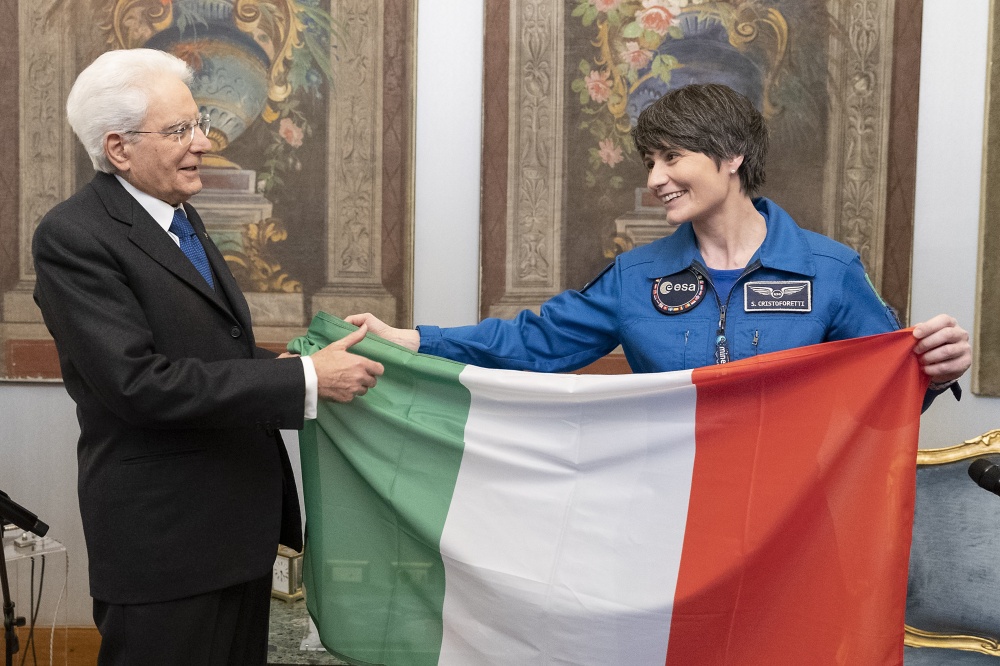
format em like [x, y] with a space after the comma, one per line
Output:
[798, 530]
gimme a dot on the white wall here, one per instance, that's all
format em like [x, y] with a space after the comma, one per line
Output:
[946, 225]
[37, 451]
[38, 471]
[449, 132]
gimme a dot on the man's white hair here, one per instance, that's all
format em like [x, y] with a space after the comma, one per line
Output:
[112, 95]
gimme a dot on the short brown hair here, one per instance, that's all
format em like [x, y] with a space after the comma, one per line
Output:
[711, 119]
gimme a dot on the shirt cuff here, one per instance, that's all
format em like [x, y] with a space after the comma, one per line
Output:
[312, 387]
[941, 386]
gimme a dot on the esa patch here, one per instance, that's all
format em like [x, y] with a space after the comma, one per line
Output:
[677, 293]
[778, 296]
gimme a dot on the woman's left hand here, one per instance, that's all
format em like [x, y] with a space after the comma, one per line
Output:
[943, 348]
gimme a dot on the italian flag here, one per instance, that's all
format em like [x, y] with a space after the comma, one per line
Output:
[757, 512]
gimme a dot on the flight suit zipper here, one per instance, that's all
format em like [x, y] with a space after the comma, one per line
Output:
[721, 342]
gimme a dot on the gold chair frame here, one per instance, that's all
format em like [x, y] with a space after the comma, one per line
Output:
[988, 443]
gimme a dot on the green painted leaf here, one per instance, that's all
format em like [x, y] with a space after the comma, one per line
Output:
[663, 65]
[320, 55]
[632, 31]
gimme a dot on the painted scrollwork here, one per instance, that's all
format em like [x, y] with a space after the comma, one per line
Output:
[129, 24]
[537, 107]
[857, 131]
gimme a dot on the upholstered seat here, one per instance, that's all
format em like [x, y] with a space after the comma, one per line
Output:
[953, 596]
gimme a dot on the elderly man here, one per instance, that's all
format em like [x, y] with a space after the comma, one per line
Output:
[185, 486]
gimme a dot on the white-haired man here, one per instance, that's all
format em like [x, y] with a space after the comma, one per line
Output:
[185, 487]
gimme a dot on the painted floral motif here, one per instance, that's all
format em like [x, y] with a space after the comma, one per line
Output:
[606, 5]
[308, 59]
[632, 49]
[627, 36]
[658, 16]
[598, 86]
[609, 153]
[635, 56]
[634, 59]
[290, 132]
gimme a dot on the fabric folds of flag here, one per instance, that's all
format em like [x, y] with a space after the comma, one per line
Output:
[753, 513]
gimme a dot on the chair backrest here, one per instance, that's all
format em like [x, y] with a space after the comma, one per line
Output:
[953, 595]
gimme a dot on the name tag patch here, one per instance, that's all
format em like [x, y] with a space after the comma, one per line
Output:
[778, 296]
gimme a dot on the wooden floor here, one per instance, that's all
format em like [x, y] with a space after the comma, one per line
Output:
[72, 646]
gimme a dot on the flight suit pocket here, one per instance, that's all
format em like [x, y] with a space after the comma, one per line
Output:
[771, 333]
[668, 343]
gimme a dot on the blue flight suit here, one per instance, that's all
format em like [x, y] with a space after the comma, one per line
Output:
[576, 328]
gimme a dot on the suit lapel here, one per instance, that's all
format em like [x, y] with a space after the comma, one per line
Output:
[148, 236]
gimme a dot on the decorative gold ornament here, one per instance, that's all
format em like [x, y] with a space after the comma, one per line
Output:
[253, 264]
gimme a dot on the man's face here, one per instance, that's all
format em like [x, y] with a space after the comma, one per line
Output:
[158, 164]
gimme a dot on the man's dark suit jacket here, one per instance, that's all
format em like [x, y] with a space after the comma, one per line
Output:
[184, 483]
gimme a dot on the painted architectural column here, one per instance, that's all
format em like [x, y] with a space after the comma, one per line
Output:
[535, 151]
[354, 208]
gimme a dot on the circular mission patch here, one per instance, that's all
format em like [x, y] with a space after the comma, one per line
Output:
[677, 293]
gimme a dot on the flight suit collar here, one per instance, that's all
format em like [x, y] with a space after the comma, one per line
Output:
[785, 247]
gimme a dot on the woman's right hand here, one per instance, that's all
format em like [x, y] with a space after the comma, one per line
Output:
[404, 337]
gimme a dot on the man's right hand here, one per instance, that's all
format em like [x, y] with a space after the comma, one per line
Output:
[342, 375]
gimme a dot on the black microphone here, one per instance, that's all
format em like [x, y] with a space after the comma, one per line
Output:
[20, 516]
[986, 475]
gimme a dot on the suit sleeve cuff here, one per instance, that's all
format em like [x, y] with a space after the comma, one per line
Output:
[312, 387]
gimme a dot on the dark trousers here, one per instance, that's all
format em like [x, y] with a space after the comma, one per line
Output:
[227, 627]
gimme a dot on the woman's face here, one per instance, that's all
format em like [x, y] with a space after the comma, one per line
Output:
[690, 185]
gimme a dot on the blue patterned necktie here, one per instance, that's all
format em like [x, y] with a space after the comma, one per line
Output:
[190, 245]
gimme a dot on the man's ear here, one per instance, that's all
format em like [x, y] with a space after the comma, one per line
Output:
[118, 151]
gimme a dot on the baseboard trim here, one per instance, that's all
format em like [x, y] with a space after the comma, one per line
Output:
[71, 646]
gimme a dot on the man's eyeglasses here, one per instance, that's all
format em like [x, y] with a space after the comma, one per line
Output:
[184, 133]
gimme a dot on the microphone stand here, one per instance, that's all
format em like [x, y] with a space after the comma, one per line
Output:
[17, 515]
[9, 621]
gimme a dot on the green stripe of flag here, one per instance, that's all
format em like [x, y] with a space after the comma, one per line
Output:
[381, 563]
